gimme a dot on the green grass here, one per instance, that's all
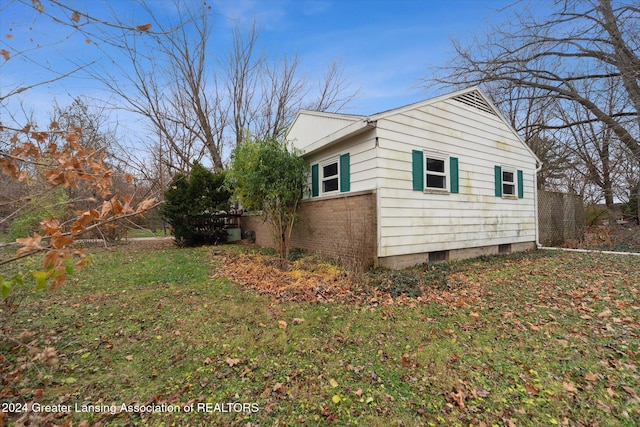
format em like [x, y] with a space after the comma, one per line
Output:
[134, 233]
[537, 339]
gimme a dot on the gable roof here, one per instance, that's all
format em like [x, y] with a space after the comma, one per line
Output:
[472, 97]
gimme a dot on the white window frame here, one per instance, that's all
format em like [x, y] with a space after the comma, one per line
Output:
[512, 184]
[322, 179]
[446, 175]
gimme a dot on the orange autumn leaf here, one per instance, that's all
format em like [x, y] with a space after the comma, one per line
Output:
[50, 226]
[59, 241]
[29, 244]
[143, 27]
[50, 259]
[117, 206]
[145, 205]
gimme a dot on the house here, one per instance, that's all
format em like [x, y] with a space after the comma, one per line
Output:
[442, 179]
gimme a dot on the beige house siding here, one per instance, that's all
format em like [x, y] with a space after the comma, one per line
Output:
[363, 162]
[406, 225]
[416, 222]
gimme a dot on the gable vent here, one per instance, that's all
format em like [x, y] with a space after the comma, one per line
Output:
[473, 99]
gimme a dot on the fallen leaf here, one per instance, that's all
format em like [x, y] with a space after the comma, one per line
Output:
[405, 361]
[474, 315]
[129, 357]
[604, 314]
[569, 386]
[297, 320]
[335, 398]
[590, 376]
[531, 389]
[630, 390]
[532, 326]
[458, 398]
[333, 383]
[282, 324]
[482, 392]
[232, 362]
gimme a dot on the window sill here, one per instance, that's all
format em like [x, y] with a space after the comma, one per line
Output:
[435, 191]
[510, 197]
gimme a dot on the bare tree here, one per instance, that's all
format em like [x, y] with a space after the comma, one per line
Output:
[282, 93]
[242, 72]
[197, 102]
[171, 89]
[335, 92]
[574, 55]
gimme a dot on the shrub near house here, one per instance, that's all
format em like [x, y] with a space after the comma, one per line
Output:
[196, 207]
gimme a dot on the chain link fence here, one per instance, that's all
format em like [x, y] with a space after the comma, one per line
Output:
[560, 218]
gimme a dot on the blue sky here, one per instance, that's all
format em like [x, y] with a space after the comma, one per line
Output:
[385, 46]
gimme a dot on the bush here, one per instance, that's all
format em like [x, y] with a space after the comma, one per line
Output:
[411, 282]
[196, 207]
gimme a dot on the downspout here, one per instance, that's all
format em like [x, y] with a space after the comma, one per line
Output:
[374, 124]
[535, 203]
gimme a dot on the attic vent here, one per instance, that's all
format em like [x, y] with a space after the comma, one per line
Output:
[473, 99]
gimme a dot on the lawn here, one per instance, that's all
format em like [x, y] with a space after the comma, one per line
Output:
[548, 338]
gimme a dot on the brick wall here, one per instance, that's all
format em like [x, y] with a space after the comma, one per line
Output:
[341, 227]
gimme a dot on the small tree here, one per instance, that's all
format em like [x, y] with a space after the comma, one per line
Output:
[266, 175]
[196, 207]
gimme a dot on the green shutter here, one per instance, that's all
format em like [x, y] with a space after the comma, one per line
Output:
[453, 171]
[418, 170]
[498, 180]
[315, 181]
[520, 184]
[345, 173]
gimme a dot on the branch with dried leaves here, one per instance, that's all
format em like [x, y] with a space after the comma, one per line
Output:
[71, 165]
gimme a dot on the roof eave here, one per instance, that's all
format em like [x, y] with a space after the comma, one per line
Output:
[346, 132]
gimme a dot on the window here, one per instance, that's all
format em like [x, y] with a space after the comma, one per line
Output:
[434, 171]
[331, 176]
[508, 183]
[436, 175]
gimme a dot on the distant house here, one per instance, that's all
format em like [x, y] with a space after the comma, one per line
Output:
[442, 179]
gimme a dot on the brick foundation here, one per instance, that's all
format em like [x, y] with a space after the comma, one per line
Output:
[340, 227]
